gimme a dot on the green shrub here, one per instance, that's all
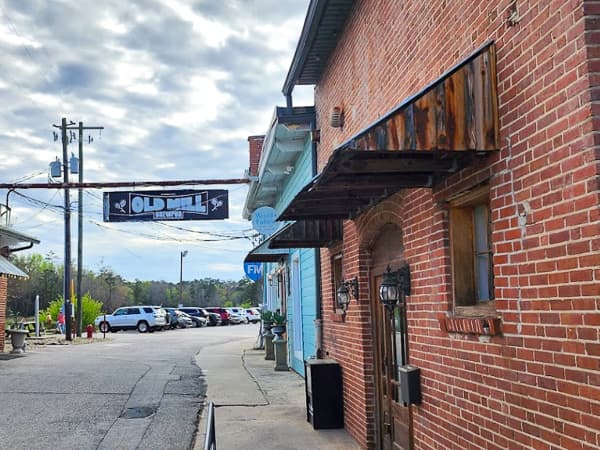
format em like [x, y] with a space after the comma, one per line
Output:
[91, 309]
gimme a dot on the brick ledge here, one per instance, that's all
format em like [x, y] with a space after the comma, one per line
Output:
[486, 326]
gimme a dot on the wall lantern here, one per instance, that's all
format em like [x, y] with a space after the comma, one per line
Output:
[343, 293]
[395, 286]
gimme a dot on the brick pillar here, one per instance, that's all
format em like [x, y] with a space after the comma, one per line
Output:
[255, 149]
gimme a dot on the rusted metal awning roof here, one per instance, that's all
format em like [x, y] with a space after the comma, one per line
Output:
[436, 132]
[308, 234]
[10, 270]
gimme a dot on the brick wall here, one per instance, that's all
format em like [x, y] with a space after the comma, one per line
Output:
[3, 297]
[254, 151]
[538, 384]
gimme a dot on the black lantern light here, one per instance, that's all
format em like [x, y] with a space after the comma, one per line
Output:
[343, 293]
[394, 287]
[388, 291]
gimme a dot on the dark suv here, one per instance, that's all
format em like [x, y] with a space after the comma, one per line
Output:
[211, 319]
[220, 311]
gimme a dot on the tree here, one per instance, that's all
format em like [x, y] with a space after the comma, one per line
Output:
[109, 288]
[43, 281]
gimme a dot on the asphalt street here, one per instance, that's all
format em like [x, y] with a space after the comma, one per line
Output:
[129, 391]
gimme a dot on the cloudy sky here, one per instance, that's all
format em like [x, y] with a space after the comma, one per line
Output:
[178, 87]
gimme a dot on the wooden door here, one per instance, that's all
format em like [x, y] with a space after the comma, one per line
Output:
[394, 417]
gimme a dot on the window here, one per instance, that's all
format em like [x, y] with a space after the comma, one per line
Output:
[470, 241]
[337, 278]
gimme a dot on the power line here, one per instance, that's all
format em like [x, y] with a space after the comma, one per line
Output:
[118, 184]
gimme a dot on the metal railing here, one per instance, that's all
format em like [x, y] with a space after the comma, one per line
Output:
[210, 438]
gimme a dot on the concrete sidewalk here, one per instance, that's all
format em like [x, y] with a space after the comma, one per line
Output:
[257, 407]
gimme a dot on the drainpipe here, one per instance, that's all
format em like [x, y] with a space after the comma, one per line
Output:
[27, 247]
[318, 322]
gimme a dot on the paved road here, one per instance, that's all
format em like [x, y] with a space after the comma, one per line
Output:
[131, 391]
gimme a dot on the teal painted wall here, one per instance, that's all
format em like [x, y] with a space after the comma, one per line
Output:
[301, 175]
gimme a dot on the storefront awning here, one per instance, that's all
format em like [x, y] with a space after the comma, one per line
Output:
[307, 234]
[9, 237]
[262, 253]
[436, 132]
[9, 269]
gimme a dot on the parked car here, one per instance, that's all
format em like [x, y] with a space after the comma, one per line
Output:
[142, 318]
[252, 315]
[171, 318]
[200, 316]
[236, 315]
[183, 320]
[221, 311]
[179, 319]
[213, 318]
[197, 321]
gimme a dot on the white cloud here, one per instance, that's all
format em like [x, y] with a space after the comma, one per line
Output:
[178, 86]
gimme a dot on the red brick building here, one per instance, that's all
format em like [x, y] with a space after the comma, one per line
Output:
[460, 140]
[10, 241]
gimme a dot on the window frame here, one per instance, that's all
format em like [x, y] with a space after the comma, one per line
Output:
[463, 252]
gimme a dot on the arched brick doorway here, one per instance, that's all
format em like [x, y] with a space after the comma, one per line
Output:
[393, 419]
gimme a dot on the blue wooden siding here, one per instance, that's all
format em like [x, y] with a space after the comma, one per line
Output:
[301, 174]
[308, 278]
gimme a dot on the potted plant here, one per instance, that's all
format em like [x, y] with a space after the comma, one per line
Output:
[267, 319]
[278, 324]
[267, 316]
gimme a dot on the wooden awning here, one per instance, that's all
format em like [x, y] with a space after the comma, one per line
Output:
[438, 131]
[307, 234]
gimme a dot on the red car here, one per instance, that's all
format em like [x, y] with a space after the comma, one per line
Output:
[220, 311]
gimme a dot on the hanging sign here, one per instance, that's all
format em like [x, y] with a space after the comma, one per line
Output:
[263, 220]
[253, 270]
[186, 204]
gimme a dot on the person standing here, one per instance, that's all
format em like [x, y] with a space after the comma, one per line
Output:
[61, 322]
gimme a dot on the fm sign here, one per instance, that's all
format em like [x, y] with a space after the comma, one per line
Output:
[253, 270]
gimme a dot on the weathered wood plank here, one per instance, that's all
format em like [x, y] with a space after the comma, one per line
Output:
[424, 121]
[478, 104]
[410, 139]
[469, 107]
[442, 141]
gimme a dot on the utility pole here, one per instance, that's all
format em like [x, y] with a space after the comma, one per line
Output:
[67, 264]
[79, 315]
[182, 255]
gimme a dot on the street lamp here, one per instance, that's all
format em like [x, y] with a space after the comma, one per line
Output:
[182, 255]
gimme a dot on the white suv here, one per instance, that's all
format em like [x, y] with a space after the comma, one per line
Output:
[236, 315]
[142, 318]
